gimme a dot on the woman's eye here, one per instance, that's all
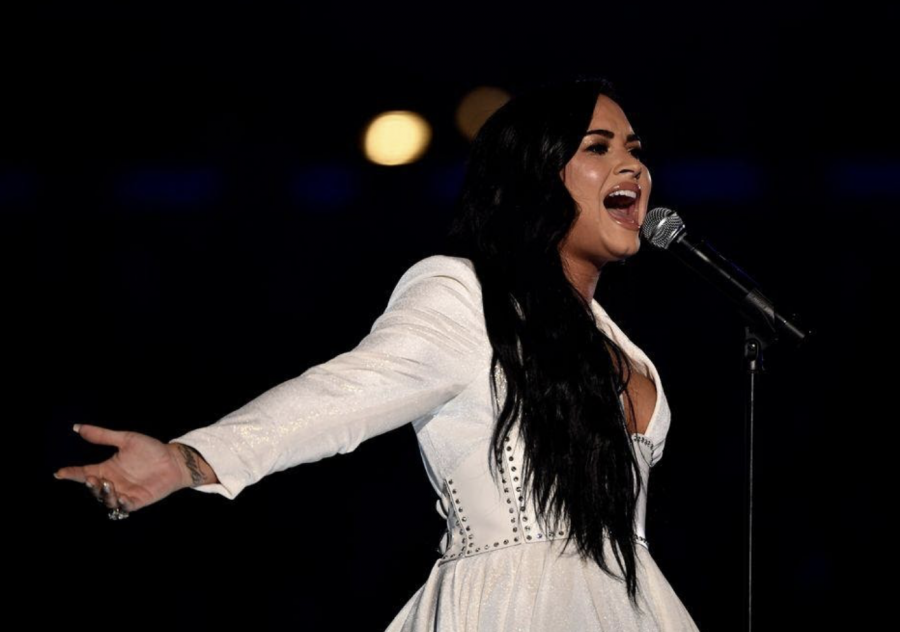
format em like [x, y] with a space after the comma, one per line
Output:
[601, 149]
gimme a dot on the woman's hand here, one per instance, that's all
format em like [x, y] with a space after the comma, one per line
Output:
[142, 472]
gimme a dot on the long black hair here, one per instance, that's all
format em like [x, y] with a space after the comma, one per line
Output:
[561, 383]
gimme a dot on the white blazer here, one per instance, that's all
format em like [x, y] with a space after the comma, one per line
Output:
[426, 362]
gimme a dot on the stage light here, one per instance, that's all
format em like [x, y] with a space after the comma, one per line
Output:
[476, 107]
[397, 137]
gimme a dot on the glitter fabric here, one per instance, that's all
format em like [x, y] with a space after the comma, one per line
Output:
[426, 362]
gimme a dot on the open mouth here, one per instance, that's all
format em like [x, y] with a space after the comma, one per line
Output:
[623, 206]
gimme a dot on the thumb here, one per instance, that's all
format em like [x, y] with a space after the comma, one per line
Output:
[101, 436]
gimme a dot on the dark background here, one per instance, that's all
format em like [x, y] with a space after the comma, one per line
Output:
[198, 226]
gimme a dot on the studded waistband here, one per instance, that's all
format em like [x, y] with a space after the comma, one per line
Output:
[538, 538]
[487, 506]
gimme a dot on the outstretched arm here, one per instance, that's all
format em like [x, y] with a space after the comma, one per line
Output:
[427, 346]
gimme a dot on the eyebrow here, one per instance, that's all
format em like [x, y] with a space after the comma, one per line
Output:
[610, 135]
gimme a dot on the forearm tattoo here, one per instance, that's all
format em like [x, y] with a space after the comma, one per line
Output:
[192, 460]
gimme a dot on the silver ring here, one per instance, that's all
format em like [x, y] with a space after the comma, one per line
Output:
[118, 514]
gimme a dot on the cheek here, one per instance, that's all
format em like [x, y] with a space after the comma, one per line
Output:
[585, 183]
[593, 179]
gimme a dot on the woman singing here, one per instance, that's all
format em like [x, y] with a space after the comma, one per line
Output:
[537, 417]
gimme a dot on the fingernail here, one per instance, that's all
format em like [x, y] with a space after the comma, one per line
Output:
[55, 475]
[77, 427]
[89, 484]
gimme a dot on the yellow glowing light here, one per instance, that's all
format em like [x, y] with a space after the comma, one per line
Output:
[476, 107]
[398, 137]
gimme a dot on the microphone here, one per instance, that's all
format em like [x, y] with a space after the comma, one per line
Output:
[663, 228]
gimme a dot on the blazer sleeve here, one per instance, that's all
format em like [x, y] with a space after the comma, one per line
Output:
[424, 349]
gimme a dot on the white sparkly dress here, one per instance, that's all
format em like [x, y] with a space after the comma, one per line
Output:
[426, 362]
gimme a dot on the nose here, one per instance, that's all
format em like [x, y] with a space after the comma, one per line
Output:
[633, 165]
[637, 171]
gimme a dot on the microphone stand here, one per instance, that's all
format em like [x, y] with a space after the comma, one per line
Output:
[754, 344]
[760, 332]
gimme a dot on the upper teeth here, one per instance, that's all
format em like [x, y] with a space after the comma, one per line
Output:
[630, 194]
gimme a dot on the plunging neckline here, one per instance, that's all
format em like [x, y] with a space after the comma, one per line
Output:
[631, 350]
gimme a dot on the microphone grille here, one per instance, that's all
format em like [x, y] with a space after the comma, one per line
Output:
[661, 226]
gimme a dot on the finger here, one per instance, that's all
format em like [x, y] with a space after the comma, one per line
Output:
[108, 493]
[101, 436]
[112, 499]
[75, 473]
[126, 503]
[93, 485]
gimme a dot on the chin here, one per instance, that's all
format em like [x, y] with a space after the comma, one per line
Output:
[627, 254]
